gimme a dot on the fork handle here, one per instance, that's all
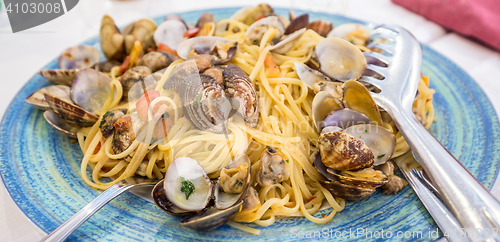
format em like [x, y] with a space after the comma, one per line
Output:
[68, 227]
[471, 204]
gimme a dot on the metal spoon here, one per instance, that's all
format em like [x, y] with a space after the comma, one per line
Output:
[68, 227]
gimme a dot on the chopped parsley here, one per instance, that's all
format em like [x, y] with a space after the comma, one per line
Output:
[352, 41]
[366, 131]
[102, 123]
[380, 156]
[287, 161]
[187, 187]
[312, 206]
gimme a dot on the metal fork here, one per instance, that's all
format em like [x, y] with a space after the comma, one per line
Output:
[68, 227]
[470, 203]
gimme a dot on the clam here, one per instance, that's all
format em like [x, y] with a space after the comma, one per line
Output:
[288, 43]
[69, 112]
[222, 49]
[205, 103]
[380, 140]
[321, 27]
[105, 66]
[141, 30]
[243, 96]
[170, 33]
[37, 98]
[256, 31]
[216, 73]
[358, 98]
[323, 104]
[368, 177]
[70, 62]
[344, 152]
[157, 60]
[344, 118]
[59, 124]
[206, 24]
[187, 190]
[337, 188]
[297, 23]
[206, 17]
[108, 121]
[318, 81]
[125, 129]
[89, 89]
[249, 15]
[131, 77]
[272, 168]
[112, 41]
[339, 59]
[354, 33]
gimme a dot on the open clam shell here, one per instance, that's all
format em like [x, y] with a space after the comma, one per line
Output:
[309, 75]
[358, 98]
[380, 140]
[243, 96]
[141, 30]
[238, 181]
[344, 118]
[340, 60]
[37, 98]
[111, 40]
[211, 217]
[78, 57]
[89, 89]
[59, 124]
[70, 113]
[207, 45]
[59, 76]
[170, 33]
[288, 43]
[297, 23]
[256, 31]
[323, 104]
[161, 200]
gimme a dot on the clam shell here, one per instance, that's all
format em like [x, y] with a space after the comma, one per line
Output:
[141, 30]
[240, 89]
[323, 104]
[344, 118]
[309, 75]
[380, 140]
[206, 17]
[37, 98]
[59, 124]
[358, 98]
[131, 77]
[89, 89]
[59, 76]
[105, 66]
[225, 200]
[297, 23]
[78, 57]
[359, 182]
[170, 33]
[288, 43]
[339, 59]
[211, 218]
[340, 151]
[258, 29]
[251, 14]
[111, 40]
[161, 200]
[70, 113]
[347, 192]
[206, 45]
[157, 60]
[321, 27]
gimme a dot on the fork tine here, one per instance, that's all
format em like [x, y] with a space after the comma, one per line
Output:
[383, 36]
[378, 69]
[390, 27]
[385, 59]
[384, 47]
[372, 80]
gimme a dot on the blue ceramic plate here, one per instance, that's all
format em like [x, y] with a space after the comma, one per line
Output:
[41, 169]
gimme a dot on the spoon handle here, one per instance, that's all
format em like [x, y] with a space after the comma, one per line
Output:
[68, 227]
[477, 211]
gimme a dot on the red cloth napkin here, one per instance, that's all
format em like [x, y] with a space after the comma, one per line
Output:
[476, 18]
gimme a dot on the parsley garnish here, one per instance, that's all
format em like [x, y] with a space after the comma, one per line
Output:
[287, 161]
[312, 206]
[187, 187]
[380, 156]
[366, 131]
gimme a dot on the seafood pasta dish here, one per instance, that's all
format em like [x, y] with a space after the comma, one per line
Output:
[247, 119]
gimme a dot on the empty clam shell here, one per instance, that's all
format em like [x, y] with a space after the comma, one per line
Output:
[37, 98]
[242, 93]
[309, 75]
[344, 118]
[89, 89]
[59, 76]
[71, 114]
[170, 33]
[339, 59]
[288, 43]
[78, 57]
[358, 98]
[59, 124]
[380, 140]
[323, 104]
[256, 31]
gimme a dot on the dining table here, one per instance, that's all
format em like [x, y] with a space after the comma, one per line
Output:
[23, 53]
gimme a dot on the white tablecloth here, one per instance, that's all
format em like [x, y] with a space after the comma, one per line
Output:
[22, 54]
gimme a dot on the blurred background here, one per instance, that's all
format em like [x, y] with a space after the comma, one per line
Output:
[451, 27]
